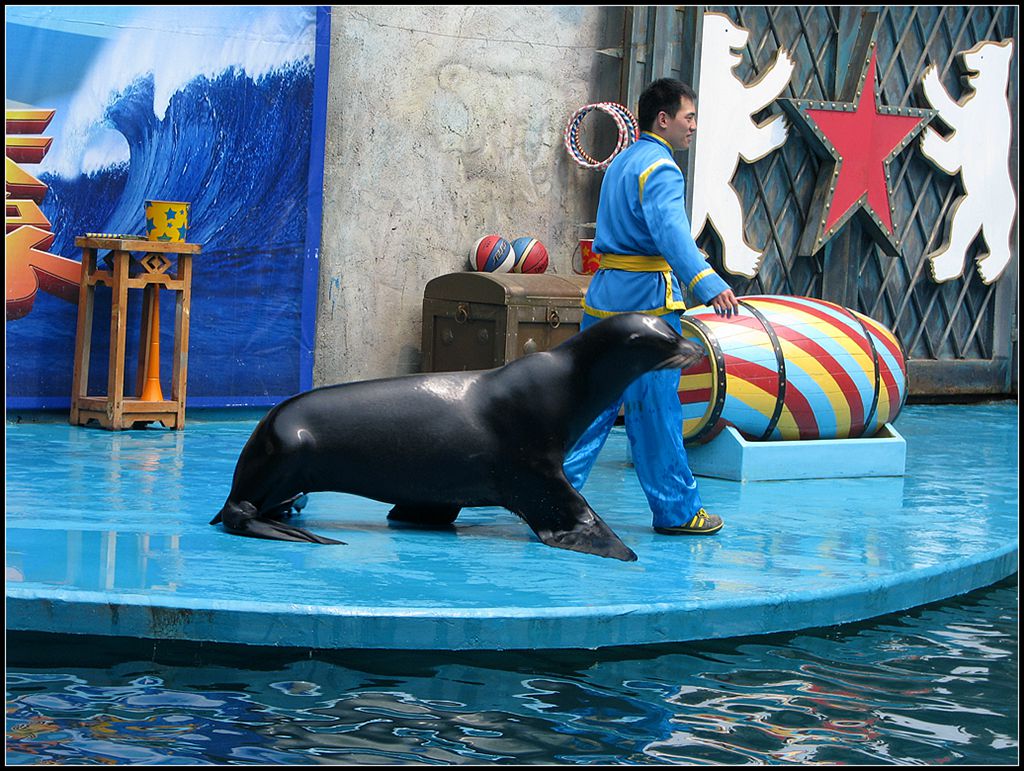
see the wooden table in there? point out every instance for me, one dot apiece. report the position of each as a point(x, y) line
point(154, 260)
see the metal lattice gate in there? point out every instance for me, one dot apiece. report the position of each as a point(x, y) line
point(960, 336)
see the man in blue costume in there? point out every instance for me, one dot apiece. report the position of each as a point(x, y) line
point(647, 253)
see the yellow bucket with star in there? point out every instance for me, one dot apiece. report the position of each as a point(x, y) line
point(167, 220)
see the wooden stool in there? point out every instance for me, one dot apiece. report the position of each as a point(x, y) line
point(115, 411)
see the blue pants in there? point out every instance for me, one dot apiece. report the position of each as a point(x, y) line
point(654, 426)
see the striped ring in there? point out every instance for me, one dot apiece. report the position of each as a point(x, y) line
point(628, 132)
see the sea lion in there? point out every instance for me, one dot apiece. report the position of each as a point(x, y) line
point(432, 444)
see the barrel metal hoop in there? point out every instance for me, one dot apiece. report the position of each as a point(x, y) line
point(719, 378)
point(780, 399)
point(906, 374)
point(878, 377)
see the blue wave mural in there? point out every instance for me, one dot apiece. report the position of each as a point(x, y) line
point(228, 125)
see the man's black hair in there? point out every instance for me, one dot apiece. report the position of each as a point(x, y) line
point(662, 95)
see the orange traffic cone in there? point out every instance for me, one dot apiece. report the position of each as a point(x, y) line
point(151, 390)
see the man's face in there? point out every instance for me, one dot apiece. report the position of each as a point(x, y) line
point(679, 130)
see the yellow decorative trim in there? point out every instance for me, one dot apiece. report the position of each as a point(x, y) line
point(671, 303)
point(661, 139)
point(649, 170)
point(703, 274)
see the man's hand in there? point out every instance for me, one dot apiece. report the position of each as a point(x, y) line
point(726, 304)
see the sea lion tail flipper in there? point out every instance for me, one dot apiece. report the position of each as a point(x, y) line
point(279, 531)
point(243, 519)
point(565, 520)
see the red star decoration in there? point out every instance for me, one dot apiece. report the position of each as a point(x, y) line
point(862, 138)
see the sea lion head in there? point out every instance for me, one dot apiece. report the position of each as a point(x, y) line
point(616, 351)
point(643, 343)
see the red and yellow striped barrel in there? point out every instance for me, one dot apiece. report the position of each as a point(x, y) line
point(791, 368)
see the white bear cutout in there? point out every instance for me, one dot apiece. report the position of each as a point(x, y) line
point(724, 119)
point(979, 149)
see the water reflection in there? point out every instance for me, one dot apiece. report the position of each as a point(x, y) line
point(937, 685)
point(96, 559)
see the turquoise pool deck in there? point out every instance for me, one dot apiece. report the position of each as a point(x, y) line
point(107, 534)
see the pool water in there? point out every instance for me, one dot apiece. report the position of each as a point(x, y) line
point(937, 684)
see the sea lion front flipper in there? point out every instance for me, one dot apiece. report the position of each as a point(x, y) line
point(562, 518)
point(243, 519)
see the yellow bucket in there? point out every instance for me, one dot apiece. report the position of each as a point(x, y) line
point(167, 220)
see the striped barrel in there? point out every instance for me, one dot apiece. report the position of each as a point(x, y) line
point(791, 368)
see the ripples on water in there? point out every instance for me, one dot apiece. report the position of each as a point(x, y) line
point(934, 685)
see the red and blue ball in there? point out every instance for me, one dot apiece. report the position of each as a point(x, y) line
point(531, 255)
point(492, 254)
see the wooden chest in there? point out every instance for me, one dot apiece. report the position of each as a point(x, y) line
point(482, 320)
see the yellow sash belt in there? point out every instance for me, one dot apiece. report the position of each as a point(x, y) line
point(640, 263)
point(636, 263)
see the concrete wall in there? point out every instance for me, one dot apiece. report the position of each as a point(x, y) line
point(445, 124)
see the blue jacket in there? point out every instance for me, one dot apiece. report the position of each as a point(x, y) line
point(641, 211)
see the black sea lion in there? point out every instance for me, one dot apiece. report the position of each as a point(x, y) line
point(434, 443)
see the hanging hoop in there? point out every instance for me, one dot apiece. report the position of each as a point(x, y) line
point(628, 132)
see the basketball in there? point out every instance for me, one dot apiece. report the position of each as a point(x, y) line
point(492, 254)
point(531, 255)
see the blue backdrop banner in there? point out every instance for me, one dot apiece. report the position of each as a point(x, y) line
point(222, 107)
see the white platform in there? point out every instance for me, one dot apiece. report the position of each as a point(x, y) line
point(730, 456)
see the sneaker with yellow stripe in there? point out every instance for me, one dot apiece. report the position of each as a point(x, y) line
point(702, 523)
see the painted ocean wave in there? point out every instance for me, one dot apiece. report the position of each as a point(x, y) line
point(163, 44)
point(237, 148)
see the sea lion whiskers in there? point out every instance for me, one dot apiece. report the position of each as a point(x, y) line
point(683, 360)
